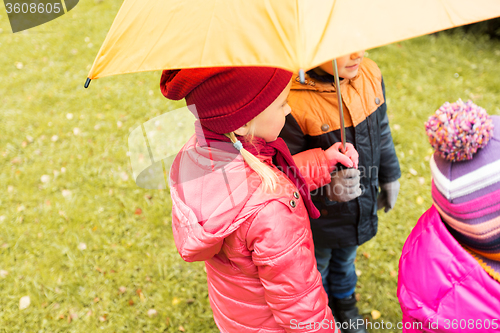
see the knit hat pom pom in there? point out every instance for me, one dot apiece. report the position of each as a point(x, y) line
point(456, 131)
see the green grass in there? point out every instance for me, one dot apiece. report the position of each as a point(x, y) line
point(76, 288)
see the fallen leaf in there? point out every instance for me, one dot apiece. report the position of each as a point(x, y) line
point(413, 171)
point(375, 314)
point(3, 274)
point(181, 328)
point(358, 297)
point(16, 160)
point(63, 214)
point(96, 299)
point(130, 302)
point(175, 301)
point(102, 318)
point(138, 211)
point(358, 272)
point(45, 178)
point(366, 254)
point(82, 246)
point(190, 300)
point(393, 273)
point(152, 312)
point(122, 289)
point(421, 180)
point(420, 200)
point(24, 302)
point(54, 138)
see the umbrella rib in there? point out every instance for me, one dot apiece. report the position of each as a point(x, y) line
point(330, 19)
point(151, 49)
point(208, 29)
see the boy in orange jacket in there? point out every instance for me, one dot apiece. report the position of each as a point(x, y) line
point(349, 204)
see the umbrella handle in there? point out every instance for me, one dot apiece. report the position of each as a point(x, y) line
point(87, 83)
point(339, 99)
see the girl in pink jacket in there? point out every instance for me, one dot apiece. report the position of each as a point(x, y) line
point(239, 205)
point(449, 271)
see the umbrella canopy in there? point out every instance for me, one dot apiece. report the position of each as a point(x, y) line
point(149, 35)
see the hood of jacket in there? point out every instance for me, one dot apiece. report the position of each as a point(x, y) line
point(456, 286)
point(209, 189)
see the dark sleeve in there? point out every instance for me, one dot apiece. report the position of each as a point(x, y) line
point(389, 164)
point(293, 135)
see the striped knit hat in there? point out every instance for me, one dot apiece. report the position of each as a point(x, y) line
point(467, 192)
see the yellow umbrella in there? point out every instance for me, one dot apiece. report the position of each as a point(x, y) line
point(149, 35)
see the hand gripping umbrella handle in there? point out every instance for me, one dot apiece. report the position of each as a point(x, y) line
point(339, 98)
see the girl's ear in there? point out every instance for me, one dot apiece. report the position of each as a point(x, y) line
point(242, 131)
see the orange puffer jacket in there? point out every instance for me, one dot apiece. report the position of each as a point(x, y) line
point(257, 246)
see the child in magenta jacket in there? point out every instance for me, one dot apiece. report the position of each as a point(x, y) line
point(449, 271)
point(233, 208)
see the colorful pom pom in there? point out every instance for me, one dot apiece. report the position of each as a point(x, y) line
point(456, 131)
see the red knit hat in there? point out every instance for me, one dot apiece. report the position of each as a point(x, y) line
point(225, 98)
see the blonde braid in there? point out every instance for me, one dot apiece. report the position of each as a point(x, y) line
point(266, 174)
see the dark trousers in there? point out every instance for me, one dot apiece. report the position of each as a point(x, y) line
point(337, 270)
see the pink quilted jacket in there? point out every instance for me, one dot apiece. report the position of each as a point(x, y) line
point(257, 246)
point(441, 287)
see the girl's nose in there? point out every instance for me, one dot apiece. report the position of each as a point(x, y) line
point(357, 55)
point(288, 109)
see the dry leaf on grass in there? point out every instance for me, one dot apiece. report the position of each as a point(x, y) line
point(24, 302)
point(375, 314)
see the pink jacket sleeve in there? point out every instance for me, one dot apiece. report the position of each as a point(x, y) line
point(283, 251)
point(314, 167)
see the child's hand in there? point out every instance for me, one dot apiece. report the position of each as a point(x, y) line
point(344, 185)
point(349, 158)
point(388, 195)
